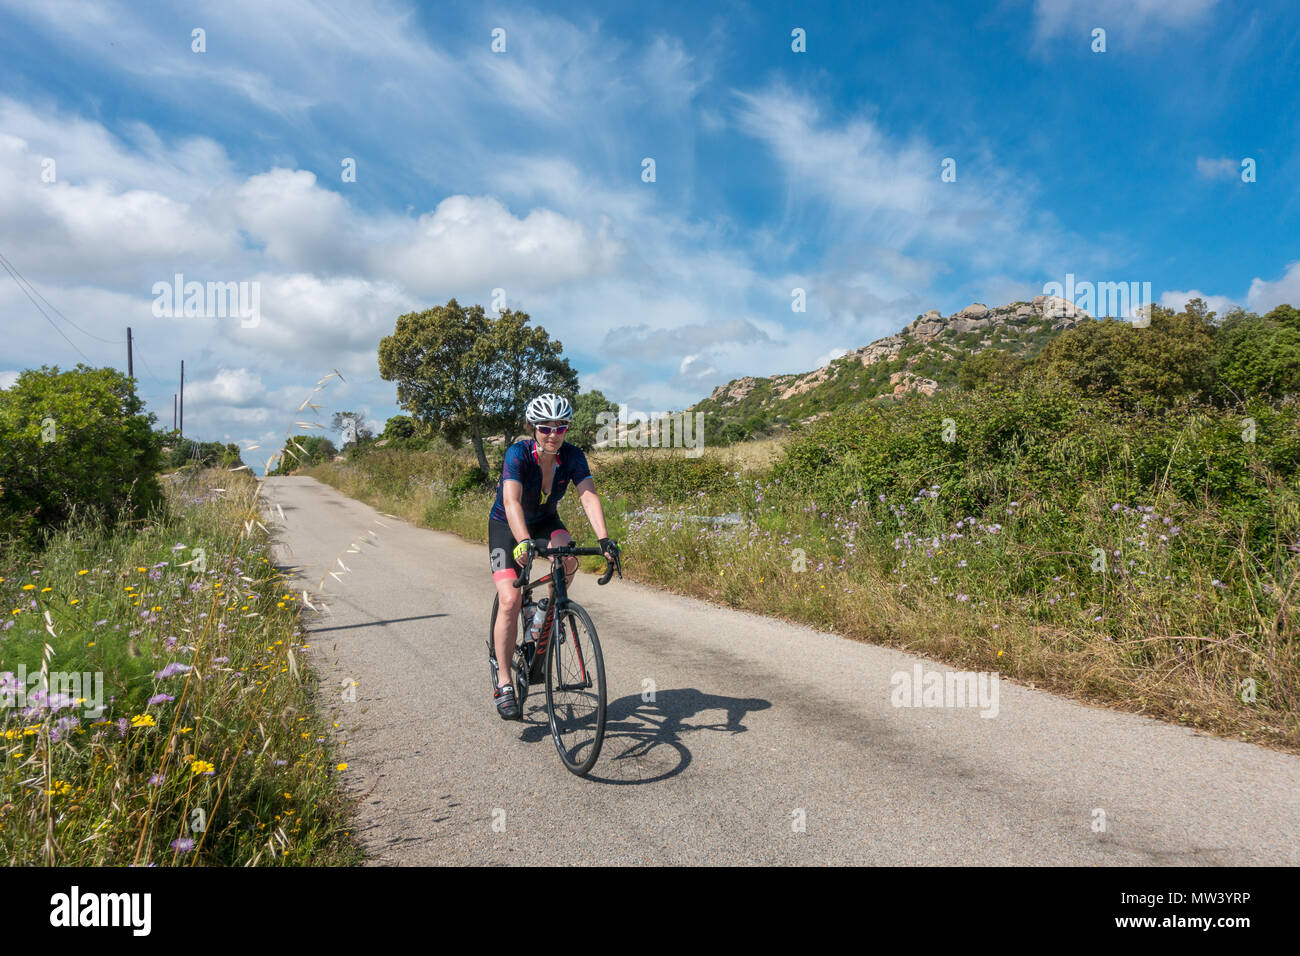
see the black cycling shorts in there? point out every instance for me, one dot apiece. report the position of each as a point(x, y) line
point(501, 543)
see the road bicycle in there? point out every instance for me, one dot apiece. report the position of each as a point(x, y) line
point(565, 654)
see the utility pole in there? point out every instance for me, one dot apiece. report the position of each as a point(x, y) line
point(173, 411)
point(130, 367)
point(182, 416)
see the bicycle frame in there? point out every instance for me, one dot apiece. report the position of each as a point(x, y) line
point(559, 594)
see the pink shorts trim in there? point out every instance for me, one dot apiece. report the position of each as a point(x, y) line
point(507, 575)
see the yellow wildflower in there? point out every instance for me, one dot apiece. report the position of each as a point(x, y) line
point(201, 766)
point(143, 720)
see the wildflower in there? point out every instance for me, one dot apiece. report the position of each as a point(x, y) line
point(341, 766)
point(29, 587)
point(172, 669)
point(160, 698)
point(143, 720)
point(182, 845)
point(202, 766)
point(156, 780)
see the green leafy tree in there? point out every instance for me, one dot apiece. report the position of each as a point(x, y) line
point(301, 451)
point(399, 432)
point(1285, 316)
point(469, 376)
point(528, 364)
point(1259, 358)
point(587, 408)
point(74, 442)
point(1153, 367)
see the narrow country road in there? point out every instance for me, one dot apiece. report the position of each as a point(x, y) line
point(765, 743)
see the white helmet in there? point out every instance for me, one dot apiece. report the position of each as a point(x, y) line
point(549, 408)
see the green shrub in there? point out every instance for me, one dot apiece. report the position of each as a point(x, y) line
point(73, 442)
point(470, 479)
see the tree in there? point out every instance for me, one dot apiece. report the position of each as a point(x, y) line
point(1259, 358)
point(1286, 316)
point(467, 375)
point(530, 364)
point(399, 429)
point(301, 451)
point(361, 431)
point(71, 442)
point(1170, 360)
point(586, 425)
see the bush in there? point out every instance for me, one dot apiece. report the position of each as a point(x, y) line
point(1055, 446)
point(1155, 367)
point(1259, 359)
point(668, 477)
point(470, 479)
point(301, 451)
point(181, 452)
point(74, 442)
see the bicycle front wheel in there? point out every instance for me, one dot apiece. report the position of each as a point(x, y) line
point(575, 690)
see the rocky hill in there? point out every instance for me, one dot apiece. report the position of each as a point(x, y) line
point(924, 357)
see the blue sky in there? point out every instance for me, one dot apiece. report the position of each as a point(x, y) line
point(522, 170)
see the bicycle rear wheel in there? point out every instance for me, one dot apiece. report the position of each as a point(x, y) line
point(575, 690)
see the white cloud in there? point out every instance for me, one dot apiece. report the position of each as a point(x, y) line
point(8, 378)
point(887, 191)
point(1265, 296)
point(475, 242)
point(1128, 23)
point(239, 387)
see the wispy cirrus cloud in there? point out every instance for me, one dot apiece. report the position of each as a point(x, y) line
point(1126, 22)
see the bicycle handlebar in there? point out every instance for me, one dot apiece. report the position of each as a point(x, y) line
point(546, 551)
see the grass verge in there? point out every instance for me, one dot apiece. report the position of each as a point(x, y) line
point(188, 735)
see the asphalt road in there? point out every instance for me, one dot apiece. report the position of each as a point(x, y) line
point(764, 743)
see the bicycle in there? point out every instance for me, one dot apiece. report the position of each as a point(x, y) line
point(574, 674)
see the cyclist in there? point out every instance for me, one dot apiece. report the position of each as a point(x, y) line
point(536, 473)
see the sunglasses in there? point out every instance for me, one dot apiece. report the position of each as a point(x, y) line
point(552, 429)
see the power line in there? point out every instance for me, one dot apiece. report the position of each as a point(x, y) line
point(9, 265)
point(4, 262)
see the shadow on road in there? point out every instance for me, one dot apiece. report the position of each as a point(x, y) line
point(643, 739)
point(391, 620)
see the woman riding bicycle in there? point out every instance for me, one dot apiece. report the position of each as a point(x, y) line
point(534, 477)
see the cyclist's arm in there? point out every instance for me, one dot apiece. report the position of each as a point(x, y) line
point(512, 497)
point(590, 499)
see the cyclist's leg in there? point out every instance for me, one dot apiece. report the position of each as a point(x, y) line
point(501, 544)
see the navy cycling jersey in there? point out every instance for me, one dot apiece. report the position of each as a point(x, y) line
point(522, 465)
